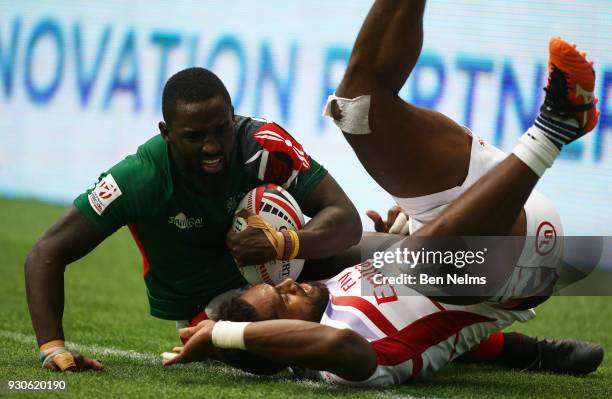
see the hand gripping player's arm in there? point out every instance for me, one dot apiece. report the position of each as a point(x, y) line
point(335, 226)
point(68, 240)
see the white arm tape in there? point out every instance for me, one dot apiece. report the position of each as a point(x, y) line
point(401, 225)
point(354, 113)
point(229, 334)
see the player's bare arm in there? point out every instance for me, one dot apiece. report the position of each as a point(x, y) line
point(296, 342)
point(335, 222)
point(68, 240)
point(332, 212)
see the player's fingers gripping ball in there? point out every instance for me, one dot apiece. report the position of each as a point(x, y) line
point(274, 211)
point(275, 237)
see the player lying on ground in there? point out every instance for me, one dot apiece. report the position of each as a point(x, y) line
point(333, 332)
point(425, 160)
point(389, 339)
point(178, 195)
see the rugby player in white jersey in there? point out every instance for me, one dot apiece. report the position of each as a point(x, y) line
point(334, 332)
point(451, 183)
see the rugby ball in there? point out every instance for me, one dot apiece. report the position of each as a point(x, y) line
point(276, 206)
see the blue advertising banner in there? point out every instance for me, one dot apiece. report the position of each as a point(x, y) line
point(80, 83)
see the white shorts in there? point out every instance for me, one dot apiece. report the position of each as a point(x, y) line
point(536, 268)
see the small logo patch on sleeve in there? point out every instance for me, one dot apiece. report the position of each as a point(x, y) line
point(105, 192)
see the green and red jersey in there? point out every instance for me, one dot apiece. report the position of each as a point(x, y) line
point(180, 231)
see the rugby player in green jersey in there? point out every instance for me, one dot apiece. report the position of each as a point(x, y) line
point(178, 194)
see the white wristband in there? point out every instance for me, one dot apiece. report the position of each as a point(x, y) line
point(229, 334)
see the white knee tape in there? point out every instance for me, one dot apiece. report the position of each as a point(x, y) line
point(354, 113)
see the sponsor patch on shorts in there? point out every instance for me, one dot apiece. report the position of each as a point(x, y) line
point(105, 192)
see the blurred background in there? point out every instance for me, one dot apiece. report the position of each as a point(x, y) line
point(81, 81)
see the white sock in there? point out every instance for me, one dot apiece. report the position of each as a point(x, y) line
point(536, 150)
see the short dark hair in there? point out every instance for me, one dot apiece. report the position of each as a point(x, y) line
point(191, 85)
point(237, 309)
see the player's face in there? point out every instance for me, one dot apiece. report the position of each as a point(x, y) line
point(288, 300)
point(201, 137)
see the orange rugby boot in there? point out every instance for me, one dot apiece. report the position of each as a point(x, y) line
point(571, 83)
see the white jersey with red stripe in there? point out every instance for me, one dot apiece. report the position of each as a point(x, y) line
point(411, 334)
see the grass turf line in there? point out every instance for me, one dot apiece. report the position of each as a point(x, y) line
point(106, 307)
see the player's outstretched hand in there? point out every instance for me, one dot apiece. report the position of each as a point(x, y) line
point(197, 348)
point(72, 361)
point(396, 223)
point(251, 246)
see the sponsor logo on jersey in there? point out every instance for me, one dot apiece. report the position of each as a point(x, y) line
point(546, 238)
point(105, 192)
point(183, 222)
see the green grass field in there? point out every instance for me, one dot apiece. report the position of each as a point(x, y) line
point(107, 317)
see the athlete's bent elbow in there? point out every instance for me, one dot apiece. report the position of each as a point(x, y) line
point(42, 254)
point(359, 359)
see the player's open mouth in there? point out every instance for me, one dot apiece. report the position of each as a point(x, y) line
point(212, 165)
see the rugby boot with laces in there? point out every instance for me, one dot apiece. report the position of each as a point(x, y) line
point(569, 109)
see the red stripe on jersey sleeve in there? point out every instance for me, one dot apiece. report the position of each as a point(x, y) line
point(369, 310)
point(145, 260)
point(410, 342)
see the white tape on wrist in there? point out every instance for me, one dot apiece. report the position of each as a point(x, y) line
point(354, 113)
point(229, 334)
point(167, 356)
point(401, 225)
point(49, 354)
